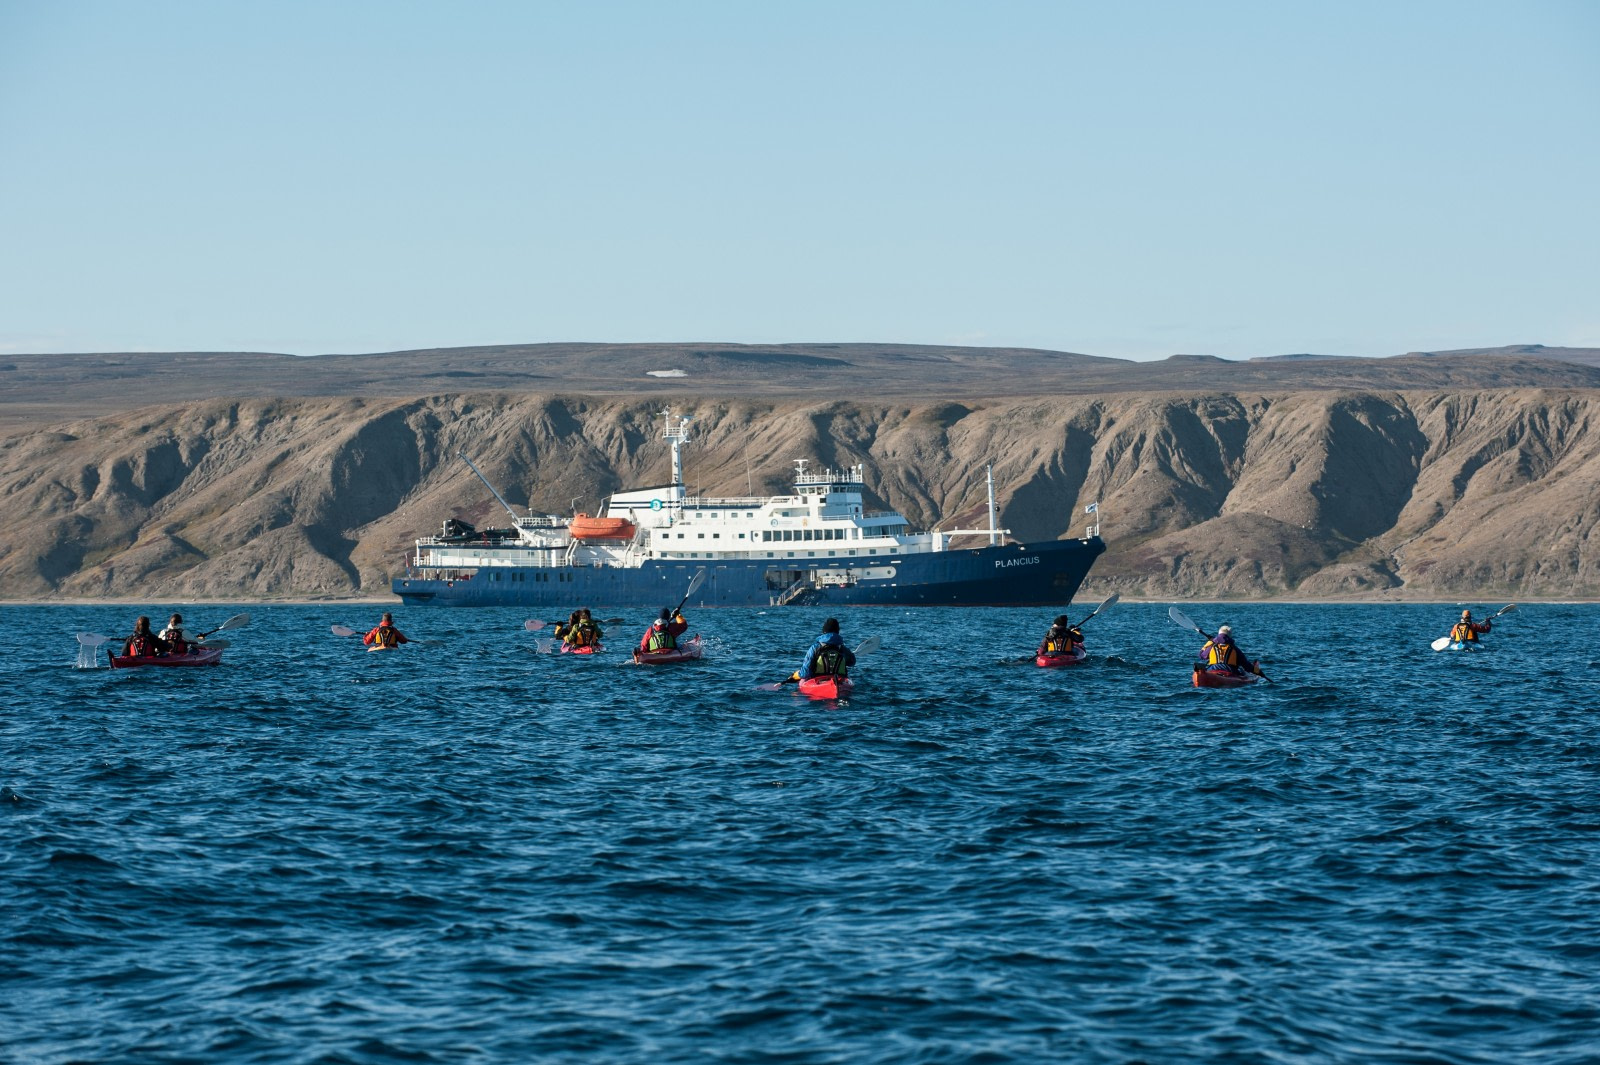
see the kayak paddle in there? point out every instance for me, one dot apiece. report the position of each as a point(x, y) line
point(238, 621)
point(1182, 620)
point(694, 586)
point(1110, 601)
point(344, 630)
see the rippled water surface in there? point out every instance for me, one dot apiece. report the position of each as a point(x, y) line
point(474, 851)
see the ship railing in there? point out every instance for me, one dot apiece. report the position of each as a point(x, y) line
point(726, 502)
point(798, 588)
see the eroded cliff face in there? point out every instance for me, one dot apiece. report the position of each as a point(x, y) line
point(1307, 493)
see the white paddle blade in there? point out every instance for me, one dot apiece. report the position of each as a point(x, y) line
point(238, 621)
point(869, 645)
point(533, 625)
point(344, 630)
point(694, 585)
point(92, 639)
point(1508, 608)
point(1181, 619)
point(1441, 643)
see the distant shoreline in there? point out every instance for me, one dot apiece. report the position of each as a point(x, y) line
point(395, 605)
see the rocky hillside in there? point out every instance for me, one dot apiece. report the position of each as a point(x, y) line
point(1481, 493)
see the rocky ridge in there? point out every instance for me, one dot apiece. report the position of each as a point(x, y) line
point(1480, 492)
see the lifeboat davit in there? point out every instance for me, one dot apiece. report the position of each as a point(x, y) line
point(584, 527)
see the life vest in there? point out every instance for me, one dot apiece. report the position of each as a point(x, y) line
point(828, 661)
point(661, 638)
point(586, 634)
point(1059, 641)
point(176, 643)
point(1463, 633)
point(1225, 654)
point(142, 645)
point(386, 636)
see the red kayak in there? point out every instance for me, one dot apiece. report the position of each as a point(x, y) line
point(827, 687)
point(591, 649)
point(685, 651)
point(1056, 659)
point(205, 656)
point(1222, 678)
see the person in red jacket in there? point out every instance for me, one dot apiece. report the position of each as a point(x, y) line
point(385, 635)
point(663, 633)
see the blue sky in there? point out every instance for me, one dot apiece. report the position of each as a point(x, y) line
point(1125, 179)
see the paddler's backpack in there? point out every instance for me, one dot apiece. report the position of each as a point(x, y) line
point(829, 661)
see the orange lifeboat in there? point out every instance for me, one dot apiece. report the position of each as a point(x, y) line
point(584, 527)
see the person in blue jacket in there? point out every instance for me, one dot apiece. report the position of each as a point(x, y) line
point(828, 656)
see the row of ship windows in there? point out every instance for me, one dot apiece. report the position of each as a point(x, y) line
point(561, 578)
point(788, 535)
point(776, 554)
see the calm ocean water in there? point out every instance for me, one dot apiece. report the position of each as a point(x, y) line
point(476, 852)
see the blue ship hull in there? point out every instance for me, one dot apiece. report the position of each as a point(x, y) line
point(1037, 574)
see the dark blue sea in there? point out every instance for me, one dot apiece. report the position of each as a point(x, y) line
point(470, 851)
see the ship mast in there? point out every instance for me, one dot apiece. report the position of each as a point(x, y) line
point(994, 531)
point(676, 435)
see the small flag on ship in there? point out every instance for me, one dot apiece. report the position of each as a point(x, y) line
point(1092, 508)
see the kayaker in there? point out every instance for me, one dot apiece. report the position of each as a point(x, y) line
point(1063, 638)
point(173, 634)
point(584, 632)
point(1466, 630)
point(565, 627)
point(385, 635)
point(144, 643)
point(1220, 650)
point(663, 633)
point(827, 656)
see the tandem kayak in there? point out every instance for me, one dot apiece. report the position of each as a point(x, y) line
point(685, 651)
point(829, 687)
point(1056, 659)
point(591, 649)
point(1222, 678)
point(208, 656)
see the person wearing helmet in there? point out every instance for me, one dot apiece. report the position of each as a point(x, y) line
point(385, 635)
point(1063, 638)
point(1220, 652)
point(663, 633)
point(174, 636)
point(828, 656)
point(1466, 630)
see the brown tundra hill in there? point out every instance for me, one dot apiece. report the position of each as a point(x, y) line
point(1464, 485)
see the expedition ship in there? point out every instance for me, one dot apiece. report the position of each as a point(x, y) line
point(818, 546)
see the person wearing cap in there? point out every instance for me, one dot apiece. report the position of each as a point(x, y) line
point(663, 633)
point(1220, 652)
point(1466, 630)
point(827, 656)
point(174, 636)
point(1063, 638)
point(385, 635)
